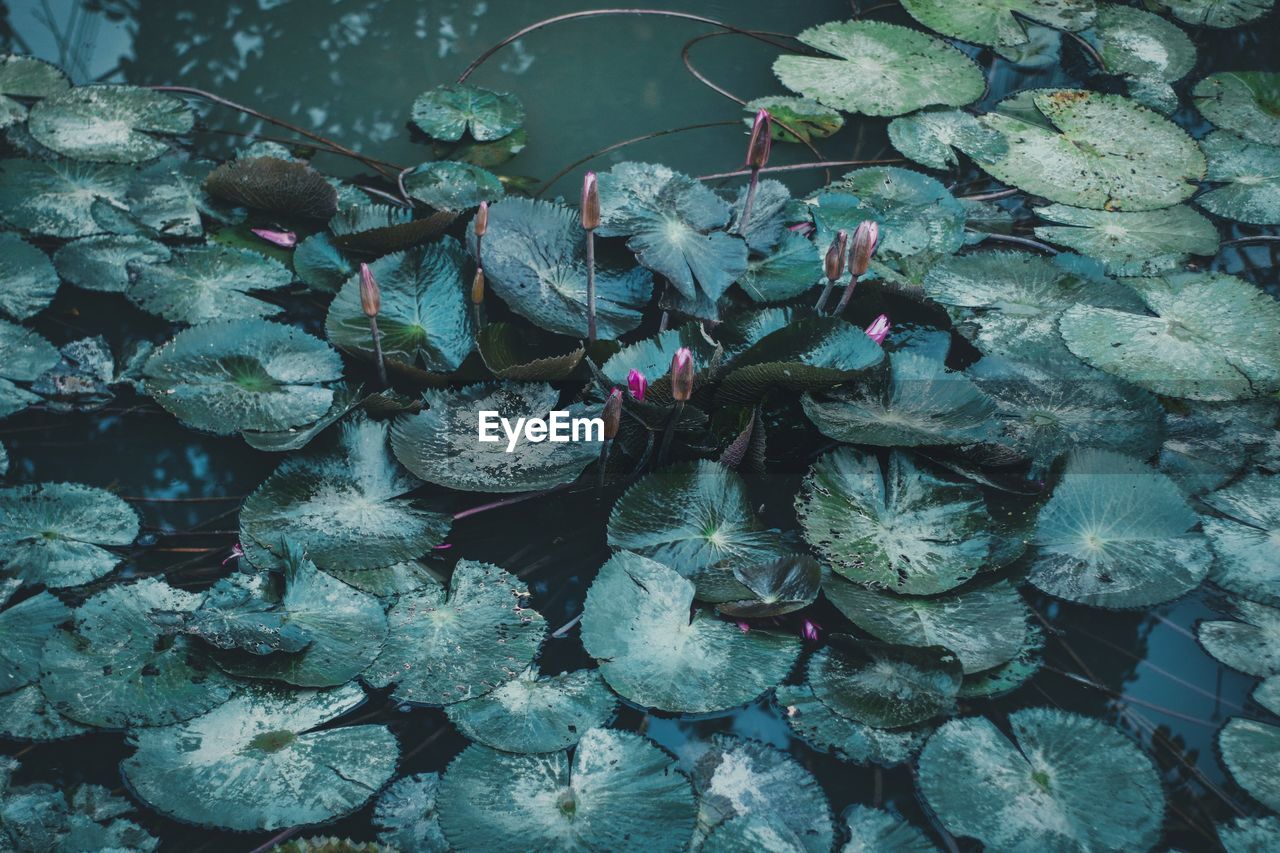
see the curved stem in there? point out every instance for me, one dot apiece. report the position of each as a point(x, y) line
point(1256, 238)
point(1087, 48)
point(798, 167)
point(1022, 241)
point(992, 196)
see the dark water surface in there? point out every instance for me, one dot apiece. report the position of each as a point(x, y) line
point(350, 70)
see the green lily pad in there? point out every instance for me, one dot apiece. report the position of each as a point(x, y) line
point(1141, 45)
point(1250, 173)
point(406, 815)
point(621, 791)
point(914, 211)
point(849, 740)
point(29, 277)
point(795, 119)
point(449, 185)
point(445, 648)
point(1244, 102)
point(232, 375)
point(208, 283)
point(24, 628)
point(1251, 645)
point(1064, 781)
point(876, 829)
point(346, 398)
point(1009, 676)
point(775, 588)
point(55, 197)
point(258, 763)
point(674, 224)
point(1267, 694)
point(883, 685)
point(1208, 444)
point(536, 713)
point(524, 354)
point(242, 612)
point(380, 228)
point(999, 22)
point(770, 211)
point(321, 264)
point(931, 137)
point(118, 668)
point(447, 111)
point(1117, 533)
point(1244, 538)
point(29, 77)
point(1250, 834)
point(109, 124)
point(882, 69)
point(810, 354)
point(274, 185)
point(907, 530)
point(1098, 151)
point(489, 155)
point(1250, 751)
point(77, 816)
point(1213, 337)
point(424, 319)
point(534, 257)
point(1217, 13)
point(636, 623)
point(56, 533)
point(652, 356)
point(788, 272)
point(440, 444)
point(1144, 242)
point(389, 582)
point(167, 199)
point(102, 263)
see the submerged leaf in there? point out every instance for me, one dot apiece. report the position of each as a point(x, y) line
point(536, 713)
point(109, 124)
point(55, 533)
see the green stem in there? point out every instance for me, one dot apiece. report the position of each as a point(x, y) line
point(826, 294)
point(377, 351)
point(676, 411)
point(751, 200)
point(591, 286)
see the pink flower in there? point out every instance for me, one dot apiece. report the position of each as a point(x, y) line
point(637, 384)
point(809, 630)
point(863, 246)
point(370, 294)
point(743, 627)
point(761, 140)
point(879, 329)
point(283, 239)
point(682, 375)
point(236, 553)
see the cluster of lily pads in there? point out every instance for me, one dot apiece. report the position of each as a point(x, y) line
point(1098, 423)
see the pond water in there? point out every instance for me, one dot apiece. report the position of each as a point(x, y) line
point(350, 70)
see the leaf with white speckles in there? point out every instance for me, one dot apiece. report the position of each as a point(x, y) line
point(406, 815)
point(1244, 102)
point(55, 197)
point(58, 534)
point(878, 831)
point(883, 685)
point(536, 713)
point(1245, 536)
point(1250, 175)
point(932, 137)
point(999, 22)
point(1251, 750)
point(1251, 645)
point(846, 739)
point(109, 124)
point(1143, 242)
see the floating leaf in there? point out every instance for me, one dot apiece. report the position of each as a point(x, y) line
point(257, 763)
point(230, 375)
point(208, 283)
point(108, 124)
point(25, 714)
point(449, 185)
point(999, 22)
point(533, 713)
point(883, 685)
point(166, 199)
point(791, 270)
point(931, 137)
point(381, 228)
point(29, 277)
point(914, 211)
point(24, 357)
point(1244, 538)
point(42, 817)
point(1213, 337)
point(636, 622)
point(534, 257)
point(443, 648)
point(882, 70)
point(1065, 781)
point(1116, 533)
point(620, 792)
point(1251, 174)
point(1141, 45)
point(752, 832)
point(907, 530)
point(1138, 243)
point(29, 77)
point(103, 262)
point(447, 111)
point(320, 264)
point(877, 830)
point(810, 354)
point(1249, 645)
point(1267, 694)
point(778, 587)
point(118, 668)
point(849, 740)
point(1250, 751)
point(1250, 834)
point(406, 816)
point(238, 612)
point(1009, 676)
point(1217, 13)
point(424, 319)
point(769, 214)
point(274, 185)
point(1209, 443)
point(346, 398)
point(1244, 102)
point(440, 444)
point(522, 353)
point(54, 533)
point(652, 356)
point(55, 197)
point(389, 582)
point(795, 119)
point(24, 628)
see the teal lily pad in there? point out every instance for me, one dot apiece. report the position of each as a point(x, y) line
point(103, 263)
point(320, 264)
point(789, 271)
point(1208, 444)
point(652, 356)
point(1250, 751)
point(770, 211)
point(1244, 536)
point(1099, 788)
point(1142, 46)
point(1117, 533)
point(24, 628)
point(260, 762)
point(232, 375)
point(450, 185)
point(29, 77)
point(1244, 102)
point(636, 622)
point(166, 199)
point(109, 124)
point(876, 829)
point(1217, 13)
point(847, 739)
point(621, 791)
point(79, 816)
point(58, 534)
point(1250, 175)
point(752, 832)
point(1000, 22)
point(346, 398)
point(27, 715)
point(881, 69)
point(780, 586)
point(242, 612)
point(1144, 242)
point(809, 354)
point(534, 257)
point(932, 137)
point(1267, 694)
point(406, 815)
point(55, 197)
point(30, 280)
point(1249, 834)
point(208, 283)
point(424, 319)
point(444, 648)
point(1251, 645)
point(795, 119)
point(1008, 676)
point(24, 357)
point(447, 111)
point(390, 582)
point(380, 228)
point(915, 212)
point(525, 354)
point(536, 713)
point(884, 685)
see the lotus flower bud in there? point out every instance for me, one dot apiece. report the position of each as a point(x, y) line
point(761, 141)
point(637, 384)
point(744, 627)
point(809, 630)
point(477, 287)
point(612, 415)
point(283, 239)
point(482, 219)
point(865, 239)
point(682, 375)
point(370, 295)
point(833, 265)
point(590, 202)
point(879, 329)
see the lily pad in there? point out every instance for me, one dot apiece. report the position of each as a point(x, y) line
point(907, 529)
point(791, 270)
point(882, 69)
point(914, 211)
point(1250, 173)
point(931, 137)
point(1117, 533)
point(810, 354)
point(1212, 337)
point(208, 283)
point(440, 444)
point(29, 77)
point(381, 228)
point(320, 264)
point(534, 257)
point(346, 398)
point(849, 740)
point(636, 622)
point(238, 612)
point(1249, 834)
point(536, 713)
point(274, 185)
point(795, 119)
point(450, 185)
point(999, 22)
point(752, 832)
point(621, 791)
point(109, 124)
point(42, 817)
point(424, 319)
point(1140, 45)
point(57, 534)
point(231, 375)
point(872, 829)
point(1250, 751)
point(1209, 443)
point(102, 263)
point(406, 815)
point(1064, 781)
point(883, 685)
point(782, 586)
point(445, 648)
point(1267, 694)
point(24, 357)
point(652, 356)
point(1251, 645)
point(258, 762)
point(1244, 102)
point(447, 111)
point(1131, 243)
point(1217, 13)
point(1244, 538)
point(25, 714)
point(55, 197)
point(24, 628)
point(525, 354)
point(1009, 676)
point(29, 278)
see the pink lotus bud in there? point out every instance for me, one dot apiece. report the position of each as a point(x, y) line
point(612, 415)
point(879, 329)
point(865, 239)
point(637, 384)
point(236, 553)
point(743, 627)
point(283, 239)
point(590, 202)
point(477, 287)
point(482, 219)
point(809, 630)
point(761, 141)
point(370, 295)
point(682, 375)
point(833, 265)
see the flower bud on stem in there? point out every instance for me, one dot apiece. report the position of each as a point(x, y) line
point(861, 248)
point(612, 417)
point(833, 266)
point(682, 373)
point(757, 156)
point(370, 304)
point(590, 211)
point(477, 297)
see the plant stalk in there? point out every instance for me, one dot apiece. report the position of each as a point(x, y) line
point(751, 200)
point(845, 297)
point(676, 411)
point(604, 462)
point(591, 286)
point(826, 294)
point(377, 351)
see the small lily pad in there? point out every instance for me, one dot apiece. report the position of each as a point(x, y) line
point(795, 119)
point(791, 270)
point(1143, 242)
point(536, 713)
point(1009, 676)
point(57, 534)
point(1217, 13)
point(847, 739)
point(55, 197)
point(30, 280)
point(1244, 102)
point(877, 830)
point(346, 398)
point(321, 264)
point(29, 77)
point(1250, 751)
point(1244, 537)
point(782, 586)
point(450, 185)
point(109, 124)
point(102, 263)
point(1250, 174)
point(447, 111)
point(931, 137)
point(1251, 645)
point(208, 283)
point(406, 815)
point(1141, 45)
point(915, 212)
point(381, 228)
point(652, 356)
point(24, 357)
point(883, 685)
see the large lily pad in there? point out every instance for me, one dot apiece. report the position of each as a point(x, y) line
point(882, 69)
point(1244, 102)
point(845, 738)
point(56, 197)
point(536, 713)
point(406, 815)
point(231, 375)
point(931, 137)
point(1250, 174)
point(809, 354)
point(1212, 337)
point(445, 648)
point(999, 22)
point(1117, 533)
point(1244, 537)
point(208, 283)
point(24, 628)
point(450, 185)
point(534, 257)
point(1142, 242)
point(424, 319)
point(1250, 751)
point(621, 791)
point(636, 622)
point(884, 685)
point(30, 280)
point(257, 762)
point(915, 212)
point(447, 111)
point(58, 534)
point(109, 124)
point(1063, 782)
point(103, 262)
point(1217, 13)
point(1251, 645)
